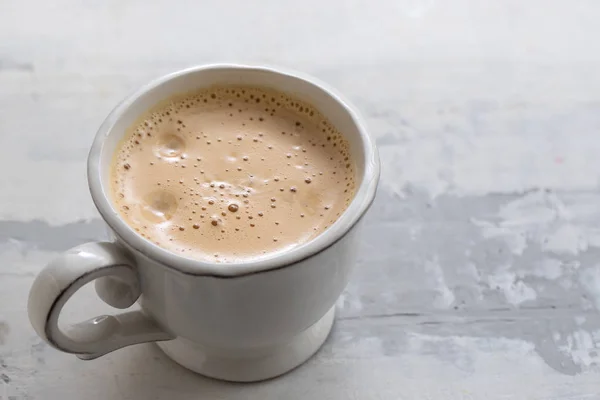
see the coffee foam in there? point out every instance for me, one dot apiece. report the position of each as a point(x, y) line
point(232, 173)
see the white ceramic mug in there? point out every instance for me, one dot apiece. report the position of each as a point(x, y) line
point(240, 322)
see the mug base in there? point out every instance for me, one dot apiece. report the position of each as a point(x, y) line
point(250, 365)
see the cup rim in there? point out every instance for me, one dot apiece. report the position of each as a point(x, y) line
point(362, 200)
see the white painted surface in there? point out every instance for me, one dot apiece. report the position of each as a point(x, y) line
point(475, 282)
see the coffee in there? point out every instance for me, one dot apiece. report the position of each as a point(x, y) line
point(232, 174)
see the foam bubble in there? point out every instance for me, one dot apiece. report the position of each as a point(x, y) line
point(170, 146)
point(158, 206)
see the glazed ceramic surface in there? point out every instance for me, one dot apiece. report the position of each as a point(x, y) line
point(241, 322)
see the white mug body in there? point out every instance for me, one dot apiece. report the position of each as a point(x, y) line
point(241, 322)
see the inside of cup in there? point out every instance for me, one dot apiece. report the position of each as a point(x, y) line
point(362, 151)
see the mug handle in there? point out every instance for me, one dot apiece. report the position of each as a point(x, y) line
point(119, 287)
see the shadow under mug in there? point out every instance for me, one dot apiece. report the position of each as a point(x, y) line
point(239, 322)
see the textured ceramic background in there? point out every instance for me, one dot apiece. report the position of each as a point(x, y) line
point(480, 275)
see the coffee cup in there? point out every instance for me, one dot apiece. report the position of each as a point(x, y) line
point(248, 321)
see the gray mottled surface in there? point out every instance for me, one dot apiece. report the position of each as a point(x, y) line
point(479, 277)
